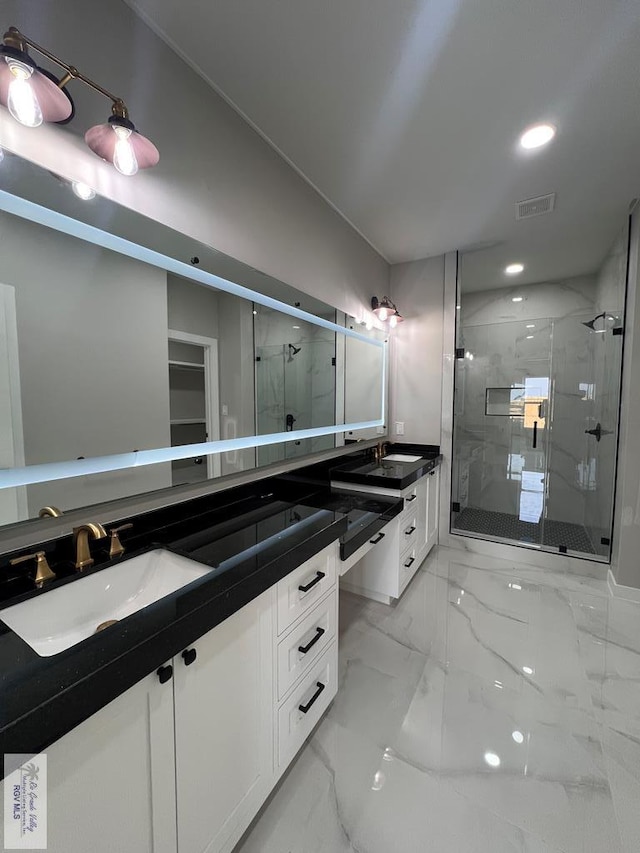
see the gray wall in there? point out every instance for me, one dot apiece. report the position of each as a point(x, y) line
point(416, 349)
point(236, 379)
point(217, 180)
point(85, 318)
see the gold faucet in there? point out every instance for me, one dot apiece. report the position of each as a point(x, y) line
point(50, 512)
point(81, 537)
point(43, 570)
point(380, 451)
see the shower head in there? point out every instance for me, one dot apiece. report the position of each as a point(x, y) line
point(591, 324)
point(293, 351)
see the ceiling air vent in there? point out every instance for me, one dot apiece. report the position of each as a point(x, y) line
point(535, 206)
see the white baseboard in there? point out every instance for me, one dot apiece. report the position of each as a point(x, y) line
point(618, 590)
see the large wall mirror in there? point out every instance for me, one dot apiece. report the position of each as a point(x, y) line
point(134, 359)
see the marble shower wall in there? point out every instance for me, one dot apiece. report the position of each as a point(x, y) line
point(610, 298)
point(287, 382)
point(541, 337)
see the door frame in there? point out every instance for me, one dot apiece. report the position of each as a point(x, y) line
point(211, 388)
point(9, 325)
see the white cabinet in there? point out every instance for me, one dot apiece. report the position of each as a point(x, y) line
point(223, 728)
point(182, 764)
point(111, 779)
point(387, 566)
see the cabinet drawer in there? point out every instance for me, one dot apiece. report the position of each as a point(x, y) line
point(301, 711)
point(304, 643)
point(304, 586)
point(409, 530)
point(411, 500)
point(408, 567)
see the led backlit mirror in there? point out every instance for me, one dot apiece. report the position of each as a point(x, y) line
point(133, 358)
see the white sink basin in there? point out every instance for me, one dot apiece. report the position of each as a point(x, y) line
point(401, 457)
point(58, 619)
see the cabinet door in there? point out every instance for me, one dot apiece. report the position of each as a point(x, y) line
point(224, 729)
point(433, 498)
point(111, 780)
point(377, 575)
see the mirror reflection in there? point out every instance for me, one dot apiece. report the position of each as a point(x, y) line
point(104, 354)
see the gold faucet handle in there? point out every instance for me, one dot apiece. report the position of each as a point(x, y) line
point(116, 548)
point(43, 569)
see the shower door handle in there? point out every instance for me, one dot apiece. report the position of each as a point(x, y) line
point(535, 434)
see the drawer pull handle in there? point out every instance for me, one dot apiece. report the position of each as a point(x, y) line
point(306, 587)
point(165, 673)
point(378, 538)
point(411, 498)
point(188, 656)
point(304, 649)
point(409, 563)
point(410, 530)
point(307, 707)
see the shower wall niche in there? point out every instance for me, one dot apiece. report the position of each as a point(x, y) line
point(537, 393)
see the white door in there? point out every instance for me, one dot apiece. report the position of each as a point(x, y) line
point(13, 501)
point(111, 780)
point(184, 425)
point(224, 729)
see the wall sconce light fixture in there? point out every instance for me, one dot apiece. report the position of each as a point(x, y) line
point(33, 95)
point(386, 311)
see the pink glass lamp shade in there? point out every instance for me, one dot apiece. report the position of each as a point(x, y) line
point(119, 143)
point(31, 93)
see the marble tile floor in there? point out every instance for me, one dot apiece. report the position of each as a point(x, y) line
point(574, 537)
point(494, 709)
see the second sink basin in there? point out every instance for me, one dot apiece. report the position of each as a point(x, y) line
point(58, 619)
point(401, 457)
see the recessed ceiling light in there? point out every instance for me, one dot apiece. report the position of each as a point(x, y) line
point(537, 136)
point(254, 312)
point(514, 269)
point(296, 327)
point(531, 325)
point(516, 298)
point(529, 337)
point(527, 670)
point(83, 191)
point(457, 307)
point(517, 736)
point(492, 759)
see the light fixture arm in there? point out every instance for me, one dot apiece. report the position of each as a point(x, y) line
point(16, 39)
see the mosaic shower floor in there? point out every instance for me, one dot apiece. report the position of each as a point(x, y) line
point(554, 534)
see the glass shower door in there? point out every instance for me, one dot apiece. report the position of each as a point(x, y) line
point(501, 437)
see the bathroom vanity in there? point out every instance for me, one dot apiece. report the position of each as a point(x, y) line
point(222, 678)
point(385, 564)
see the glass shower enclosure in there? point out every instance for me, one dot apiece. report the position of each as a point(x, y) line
point(536, 410)
point(295, 383)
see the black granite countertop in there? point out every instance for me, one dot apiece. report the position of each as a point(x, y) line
point(45, 697)
point(251, 537)
point(390, 474)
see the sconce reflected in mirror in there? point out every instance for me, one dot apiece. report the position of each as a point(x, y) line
point(386, 311)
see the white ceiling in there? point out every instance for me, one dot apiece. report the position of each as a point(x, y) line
point(405, 114)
